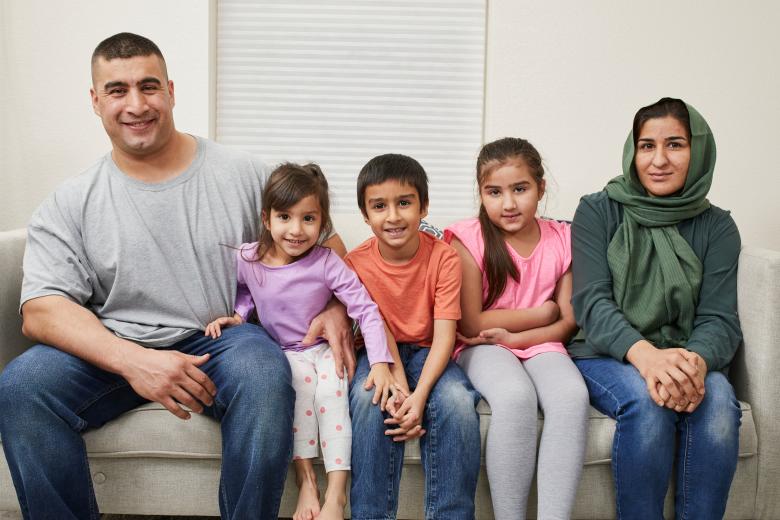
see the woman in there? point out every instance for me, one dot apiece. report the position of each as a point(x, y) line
point(655, 295)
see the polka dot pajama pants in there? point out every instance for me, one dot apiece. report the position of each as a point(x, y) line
point(321, 405)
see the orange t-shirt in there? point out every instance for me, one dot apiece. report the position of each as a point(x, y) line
point(411, 295)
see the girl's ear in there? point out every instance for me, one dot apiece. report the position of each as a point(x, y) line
point(542, 187)
point(264, 218)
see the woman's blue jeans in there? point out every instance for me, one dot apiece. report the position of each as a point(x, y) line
point(650, 439)
point(450, 449)
point(48, 398)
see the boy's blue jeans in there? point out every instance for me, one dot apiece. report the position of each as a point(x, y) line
point(450, 449)
point(649, 439)
point(48, 398)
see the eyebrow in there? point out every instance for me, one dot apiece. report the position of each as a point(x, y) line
point(148, 79)
point(490, 186)
point(670, 138)
point(406, 196)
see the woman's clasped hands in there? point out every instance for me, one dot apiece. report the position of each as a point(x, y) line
point(674, 376)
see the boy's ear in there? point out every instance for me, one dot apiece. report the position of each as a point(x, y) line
point(424, 211)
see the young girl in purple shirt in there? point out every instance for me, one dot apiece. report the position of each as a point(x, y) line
point(288, 278)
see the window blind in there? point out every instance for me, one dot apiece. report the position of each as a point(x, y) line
point(339, 82)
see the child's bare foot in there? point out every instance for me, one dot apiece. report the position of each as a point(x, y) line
point(308, 502)
point(308, 507)
point(333, 508)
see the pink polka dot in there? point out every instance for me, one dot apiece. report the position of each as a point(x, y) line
point(311, 442)
point(295, 430)
point(308, 412)
point(338, 460)
point(338, 428)
point(324, 444)
point(338, 393)
point(327, 356)
point(307, 379)
point(322, 409)
point(297, 457)
point(324, 376)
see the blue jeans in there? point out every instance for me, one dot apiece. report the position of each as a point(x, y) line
point(48, 398)
point(450, 449)
point(649, 439)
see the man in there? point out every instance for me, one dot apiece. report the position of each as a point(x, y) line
point(125, 265)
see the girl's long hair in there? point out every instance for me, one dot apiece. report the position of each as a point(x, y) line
point(497, 262)
point(288, 184)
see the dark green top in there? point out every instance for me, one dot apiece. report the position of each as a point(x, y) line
point(713, 237)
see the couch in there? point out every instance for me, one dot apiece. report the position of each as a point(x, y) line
point(148, 462)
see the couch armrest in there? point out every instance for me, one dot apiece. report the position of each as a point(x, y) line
point(12, 343)
point(756, 369)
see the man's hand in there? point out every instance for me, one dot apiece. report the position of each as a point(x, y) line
point(407, 418)
point(672, 368)
point(334, 325)
point(170, 378)
point(214, 329)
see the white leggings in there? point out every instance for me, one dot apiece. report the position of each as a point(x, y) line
point(515, 390)
point(321, 403)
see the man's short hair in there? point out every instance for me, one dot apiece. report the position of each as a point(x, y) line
point(127, 45)
point(388, 167)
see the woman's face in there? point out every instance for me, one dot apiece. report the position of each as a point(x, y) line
point(663, 153)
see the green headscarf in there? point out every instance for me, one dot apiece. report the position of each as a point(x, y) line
point(655, 274)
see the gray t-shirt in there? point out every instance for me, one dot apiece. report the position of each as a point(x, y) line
point(152, 261)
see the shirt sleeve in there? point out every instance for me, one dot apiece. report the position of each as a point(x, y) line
point(446, 300)
point(605, 327)
point(55, 261)
point(716, 332)
point(244, 302)
point(360, 307)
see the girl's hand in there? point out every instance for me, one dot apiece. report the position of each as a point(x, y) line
point(496, 336)
point(476, 340)
point(214, 329)
point(408, 419)
point(380, 379)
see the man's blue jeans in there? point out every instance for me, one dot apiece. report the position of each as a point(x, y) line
point(650, 439)
point(450, 449)
point(48, 398)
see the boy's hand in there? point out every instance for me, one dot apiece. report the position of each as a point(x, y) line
point(408, 418)
point(214, 329)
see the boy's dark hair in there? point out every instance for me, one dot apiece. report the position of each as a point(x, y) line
point(392, 166)
point(126, 45)
point(662, 108)
point(498, 263)
point(288, 184)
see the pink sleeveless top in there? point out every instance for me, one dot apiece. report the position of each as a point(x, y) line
point(539, 272)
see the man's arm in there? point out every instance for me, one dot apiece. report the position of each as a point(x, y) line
point(168, 377)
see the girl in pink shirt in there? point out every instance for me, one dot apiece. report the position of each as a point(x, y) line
point(288, 278)
point(517, 314)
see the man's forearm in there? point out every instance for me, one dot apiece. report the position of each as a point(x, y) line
point(61, 323)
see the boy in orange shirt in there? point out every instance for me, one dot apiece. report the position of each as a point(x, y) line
point(415, 280)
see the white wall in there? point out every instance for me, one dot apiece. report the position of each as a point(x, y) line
point(567, 75)
point(48, 131)
point(570, 75)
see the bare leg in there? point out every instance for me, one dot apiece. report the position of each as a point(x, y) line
point(308, 507)
point(335, 496)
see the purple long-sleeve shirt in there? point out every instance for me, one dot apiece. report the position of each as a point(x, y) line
point(289, 297)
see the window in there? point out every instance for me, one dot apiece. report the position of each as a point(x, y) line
point(339, 82)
